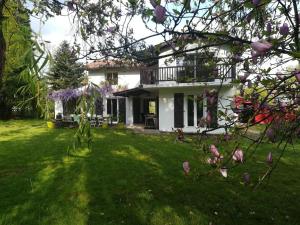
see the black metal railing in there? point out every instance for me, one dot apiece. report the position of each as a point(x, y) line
point(187, 74)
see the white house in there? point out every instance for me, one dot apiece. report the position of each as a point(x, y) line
point(168, 95)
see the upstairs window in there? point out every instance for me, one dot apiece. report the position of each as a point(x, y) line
point(112, 78)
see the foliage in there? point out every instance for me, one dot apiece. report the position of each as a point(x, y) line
point(17, 34)
point(134, 179)
point(65, 72)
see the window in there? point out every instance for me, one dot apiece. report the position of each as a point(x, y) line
point(112, 78)
point(152, 107)
point(112, 107)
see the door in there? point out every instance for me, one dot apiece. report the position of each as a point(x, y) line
point(178, 110)
point(136, 110)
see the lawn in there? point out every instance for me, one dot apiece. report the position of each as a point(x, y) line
point(134, 179)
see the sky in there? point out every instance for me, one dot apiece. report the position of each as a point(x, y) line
point(60, 28)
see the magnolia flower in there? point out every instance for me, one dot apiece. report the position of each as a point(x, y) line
point(270, 134)
point(284, 29)
point(238, 155)
point(214, 151)
point(111, 29)
point(211, 99)
point(269, 27)
point(270, 158)
point(224, 171)
point(246, 178)
point(160, 14)
point(186, 167)
point(208, 118)
point(297, 75)
point(261, 47)
point(226, 137)
point(256, 2)
point(153, 3)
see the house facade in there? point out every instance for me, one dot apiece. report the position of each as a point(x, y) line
point(172, 94)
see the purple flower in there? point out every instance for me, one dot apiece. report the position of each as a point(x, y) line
point(153, 3)
point(297, 75)
point(186, 167)
point(256, 2)
point(65, 94)
point(284, 29)
point(208, 118)
point(270, 134)
point(269, 27)
point(160, 14)
point(261, 47)
point(270, 158)
point(238, 155)
point(111, 29)
point(246, 178)
point(214, 151)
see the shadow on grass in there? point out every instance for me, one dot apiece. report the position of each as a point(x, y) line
point(130, 179)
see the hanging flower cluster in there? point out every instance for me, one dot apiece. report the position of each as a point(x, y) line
point(65, 94)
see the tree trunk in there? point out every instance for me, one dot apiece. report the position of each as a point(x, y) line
point(2, 41)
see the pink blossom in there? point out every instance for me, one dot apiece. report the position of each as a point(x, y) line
point(153, 3)
point(284, 29)
point(214, 151)
point(224, 171)
point(208, 118)
point(160, 14)
point(297, 75)
point(186, 167)
point(238, 155)
point(270, 158)
point(261, 47)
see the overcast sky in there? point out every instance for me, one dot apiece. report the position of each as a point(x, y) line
point(60, 28)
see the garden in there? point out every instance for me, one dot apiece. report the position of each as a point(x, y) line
point(138, 179)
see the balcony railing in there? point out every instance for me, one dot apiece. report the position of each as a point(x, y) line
point(187, 74)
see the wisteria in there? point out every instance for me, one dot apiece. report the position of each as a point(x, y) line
point(65, 94)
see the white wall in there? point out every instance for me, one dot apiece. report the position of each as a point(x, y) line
point(166, 107)
point(58, 107)
point(130, 79)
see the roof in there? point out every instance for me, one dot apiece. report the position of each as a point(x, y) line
point(112, 64)
point(131, 92)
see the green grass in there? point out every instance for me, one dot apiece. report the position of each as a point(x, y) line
point(134, 179)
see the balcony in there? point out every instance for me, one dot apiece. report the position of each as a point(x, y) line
point(187, 74)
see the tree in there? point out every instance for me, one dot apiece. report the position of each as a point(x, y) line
point(17, 35)
point(65, 72)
